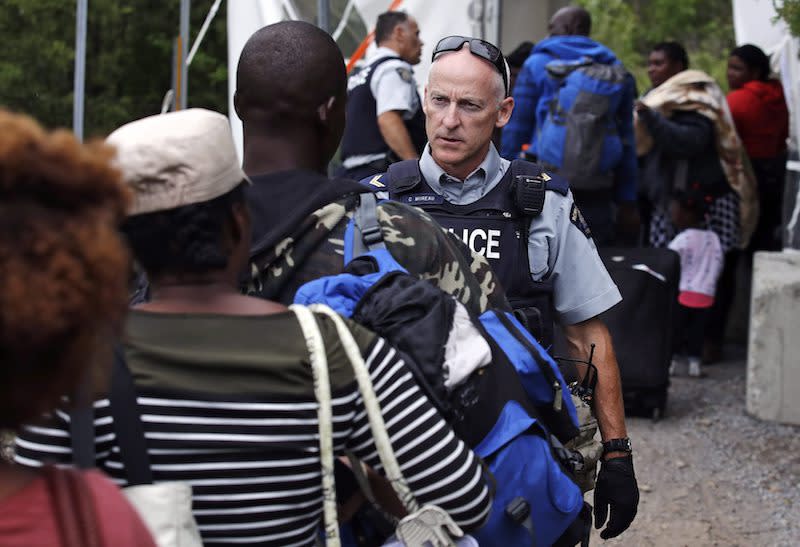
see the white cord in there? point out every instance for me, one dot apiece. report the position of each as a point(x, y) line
point(202, 34)
point(322, 391)
point(343, 21)
point(372, 406)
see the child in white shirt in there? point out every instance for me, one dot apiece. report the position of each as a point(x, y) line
point(701, 265)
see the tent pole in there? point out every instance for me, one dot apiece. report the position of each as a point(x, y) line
point(80, 68)
point(324, 15)
point(183, 91)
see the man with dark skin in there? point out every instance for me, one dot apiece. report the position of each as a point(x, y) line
point(269, 112)
point(291, 92)
point(570, 21)
point(661, 67)
point(609, 202)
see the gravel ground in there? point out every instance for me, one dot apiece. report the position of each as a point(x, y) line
point(710, 474)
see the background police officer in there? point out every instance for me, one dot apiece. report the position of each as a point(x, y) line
point(464, 183)
point(385, 121)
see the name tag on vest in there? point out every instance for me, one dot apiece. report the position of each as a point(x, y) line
point(422, 199)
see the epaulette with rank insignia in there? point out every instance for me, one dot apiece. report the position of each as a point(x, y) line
point(556, 182)
point(374, 181)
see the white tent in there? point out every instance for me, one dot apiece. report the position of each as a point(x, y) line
point(436, 19)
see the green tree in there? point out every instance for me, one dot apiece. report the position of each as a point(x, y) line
point(129, 60)
point(789, 11)
point(632, 27)
point(36, 61)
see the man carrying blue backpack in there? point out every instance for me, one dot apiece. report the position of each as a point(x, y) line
point(307, 234)
point(574, 114)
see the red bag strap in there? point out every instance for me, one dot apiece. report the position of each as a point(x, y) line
point(73, 508)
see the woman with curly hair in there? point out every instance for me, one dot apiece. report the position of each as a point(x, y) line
point(62, 294)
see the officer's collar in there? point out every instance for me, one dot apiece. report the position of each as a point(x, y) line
point(432, 172)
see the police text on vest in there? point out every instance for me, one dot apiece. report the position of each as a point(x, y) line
point(483, 242)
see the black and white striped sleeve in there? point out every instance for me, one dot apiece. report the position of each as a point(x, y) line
point(439, 468)
point(48, 441)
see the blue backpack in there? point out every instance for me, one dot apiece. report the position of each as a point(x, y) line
point(515, 413)
point(580, 137)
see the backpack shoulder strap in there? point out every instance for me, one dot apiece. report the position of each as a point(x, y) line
point(128, 424)
point(367, 234)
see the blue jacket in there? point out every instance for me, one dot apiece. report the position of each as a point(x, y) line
point(532, 94)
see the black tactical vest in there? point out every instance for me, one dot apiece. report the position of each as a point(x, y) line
point(496, 226)
point(361, 134)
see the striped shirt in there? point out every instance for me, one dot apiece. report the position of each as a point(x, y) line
point(227, 405)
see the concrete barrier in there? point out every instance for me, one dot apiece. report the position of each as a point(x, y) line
point(773, 357)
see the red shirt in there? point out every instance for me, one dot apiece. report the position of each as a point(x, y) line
point(26, 517)
point(761, 117)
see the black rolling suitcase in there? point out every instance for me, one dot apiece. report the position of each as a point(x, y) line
point(641, 325)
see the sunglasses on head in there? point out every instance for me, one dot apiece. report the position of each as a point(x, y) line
point(479, 48)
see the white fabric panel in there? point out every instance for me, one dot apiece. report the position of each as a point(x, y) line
point(465, 351)
point(752, 22)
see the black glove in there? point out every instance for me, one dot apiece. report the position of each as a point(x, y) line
point(616, 487)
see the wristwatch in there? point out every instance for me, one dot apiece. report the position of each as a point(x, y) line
point(617, 445)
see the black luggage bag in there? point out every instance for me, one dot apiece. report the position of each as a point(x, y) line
point(641, 325)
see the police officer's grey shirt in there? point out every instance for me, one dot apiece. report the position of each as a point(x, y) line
point(395, 89)
point(557, 248)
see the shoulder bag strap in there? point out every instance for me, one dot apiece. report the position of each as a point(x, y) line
point(72, 506)
point(377, 425)
point(81, 425)
point(415, 527)
point(322, 391)
point(128, 424)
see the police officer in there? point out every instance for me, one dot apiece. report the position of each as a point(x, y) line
point(526, 223)
point(385, 121)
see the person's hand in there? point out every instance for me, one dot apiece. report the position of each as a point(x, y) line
point(616, 489)
point(640, 107)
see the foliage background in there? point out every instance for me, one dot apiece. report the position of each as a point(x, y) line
point(632, 27)
point(130, 50)
point(789, 11)
point(129, 54)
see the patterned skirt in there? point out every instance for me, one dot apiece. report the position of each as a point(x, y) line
point(722, 219)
